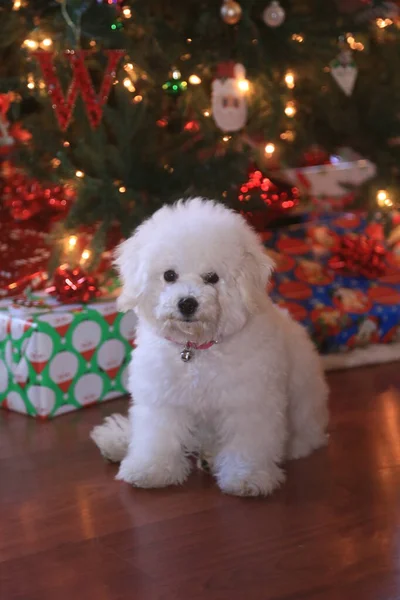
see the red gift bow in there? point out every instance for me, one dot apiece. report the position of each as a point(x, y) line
point(359, 254)
point(73, 285)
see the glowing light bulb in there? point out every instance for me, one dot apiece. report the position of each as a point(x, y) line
point(31, 44)
point(30, 85)
point(194, 79)
point(129, 85)
point(269, 149)
point(289, 80)
point(388, 202)
point(137, 99)
point(243, 85)
point(72, 240)
point(85, 255)
point(290, 109)
point(189, 40)
point(382, 23)
point(297, 37)
point(381, 196)
point(80, 174)
point(66, 144)
point(287, 135)
point(17, 4)
point(176, 74)
point(55, 162)
point(226, 138)
point(128, 67)
point(47, 42)
point(206, 113)
point(122, 189)
point(127, 12)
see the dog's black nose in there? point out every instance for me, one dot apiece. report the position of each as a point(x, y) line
point(188, 306)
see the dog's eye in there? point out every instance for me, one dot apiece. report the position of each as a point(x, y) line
point(170, 276)
point(210, 278)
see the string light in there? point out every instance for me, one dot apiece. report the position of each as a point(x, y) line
point(31, 82)
point(128, 67)
point(382, 23)
point(72, 240)
point(137, 99)
point(297, 37)
point(382, 199)
point(127, 12)
point(287, 135)
point(85, 255)
point(206, 113)
point(243, 85)
point(92, 43)
point(354, 45)
point(194, 79)
point(66, 144)
point(47, 42)
point(289, 80)
point(129, 85)
point(176, 74)
point(31, 44)
point(226, 138)
point(189, 40)
point(55, 162)
point(80, 174)
point(17, 4)
point(269, 149)
point(290, 109)
point(122, 189)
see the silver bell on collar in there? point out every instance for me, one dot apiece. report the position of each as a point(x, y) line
point(187, 353)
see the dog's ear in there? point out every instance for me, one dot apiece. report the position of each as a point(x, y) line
point(256, 271)
point(129, 262)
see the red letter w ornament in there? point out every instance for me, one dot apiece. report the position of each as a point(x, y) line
point(81, 82)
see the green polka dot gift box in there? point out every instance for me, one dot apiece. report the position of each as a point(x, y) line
point(58, 358)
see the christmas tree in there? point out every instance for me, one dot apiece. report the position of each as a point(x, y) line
point(202, 99)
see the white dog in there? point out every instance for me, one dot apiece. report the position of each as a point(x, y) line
point(218, 369)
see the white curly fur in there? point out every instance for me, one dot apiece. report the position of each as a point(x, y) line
point(249, 402)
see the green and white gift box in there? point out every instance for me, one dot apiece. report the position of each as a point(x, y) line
point(57, 358)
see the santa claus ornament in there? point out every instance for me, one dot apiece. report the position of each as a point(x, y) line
point(229, 104)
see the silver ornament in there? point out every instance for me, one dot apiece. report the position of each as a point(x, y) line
point(274, 14)
point(187, 354)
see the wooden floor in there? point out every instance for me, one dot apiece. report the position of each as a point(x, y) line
point(69, 531)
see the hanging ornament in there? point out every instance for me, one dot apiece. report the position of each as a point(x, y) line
point(344, 71)
point(229, 104)
point(231, 12)
point(274, 14)
point(175, 85)
point(81, 82)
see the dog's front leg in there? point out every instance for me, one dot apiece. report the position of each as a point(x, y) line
point(252, 446)
point(156, 454)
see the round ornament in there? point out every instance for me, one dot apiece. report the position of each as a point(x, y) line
point(231, 12)
point(274, 14)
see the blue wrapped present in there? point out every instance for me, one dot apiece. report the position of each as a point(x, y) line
point(341, 311)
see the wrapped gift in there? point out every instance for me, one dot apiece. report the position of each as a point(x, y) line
point(58, 358)
point(331, 186)
point(342, 310)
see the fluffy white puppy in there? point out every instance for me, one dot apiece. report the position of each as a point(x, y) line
point(218, 369)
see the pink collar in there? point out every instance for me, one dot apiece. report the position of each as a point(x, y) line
point(195, 346)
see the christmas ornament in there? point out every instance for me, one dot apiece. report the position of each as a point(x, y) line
point(26, 197)
point(344, 71)
point(359, 254)
point(175, 86)
point(228, 100)
point(73, 285)
point(81, 82)
point(192, 126)
point(231, 12)
point(274, 14)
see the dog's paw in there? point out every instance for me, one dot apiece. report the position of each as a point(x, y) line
point(300, 447)
point(153, 475)
point(254, 483)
